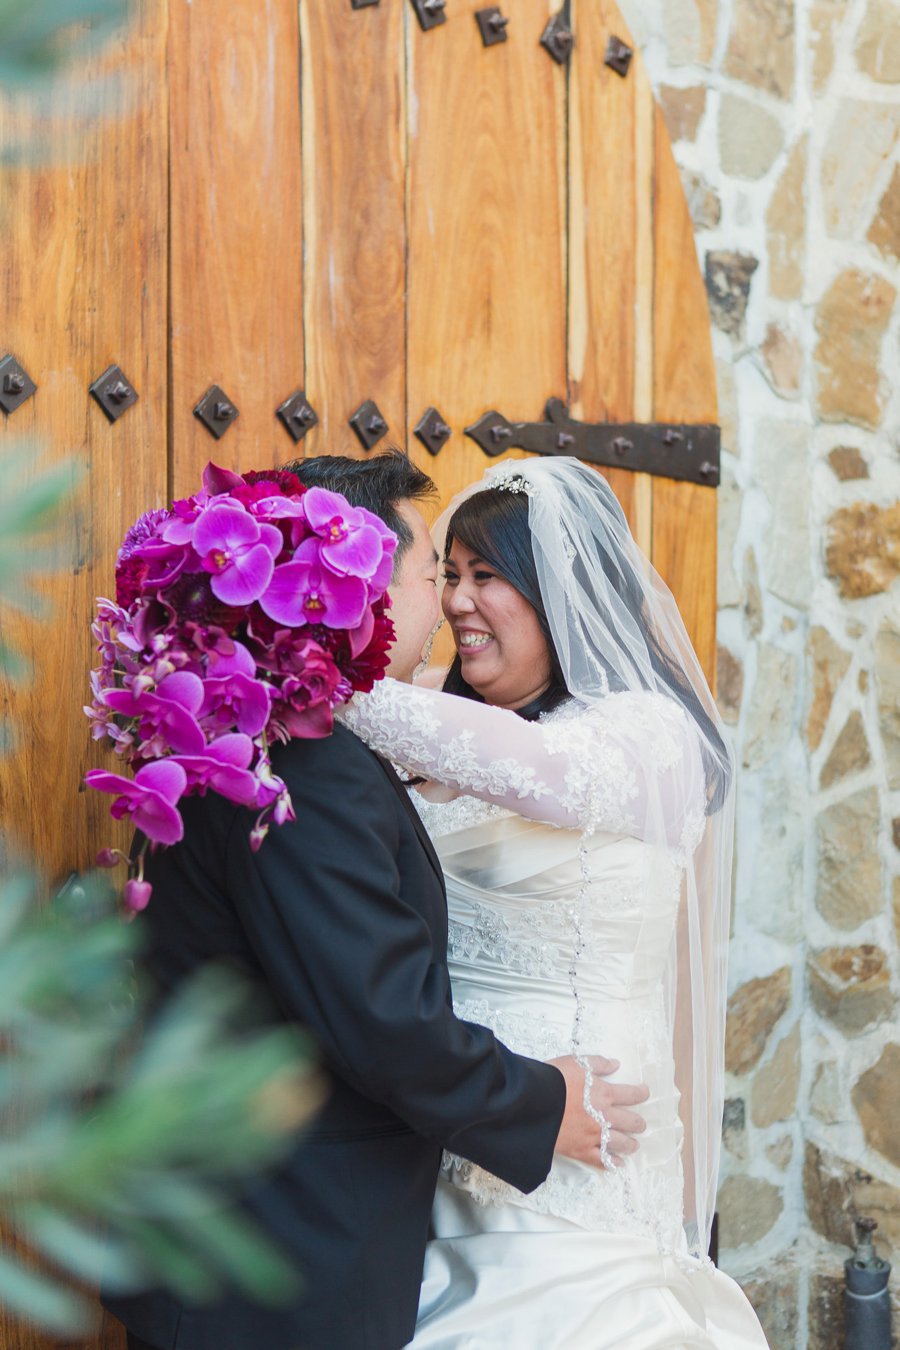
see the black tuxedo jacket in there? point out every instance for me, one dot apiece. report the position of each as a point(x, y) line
point(341, 918)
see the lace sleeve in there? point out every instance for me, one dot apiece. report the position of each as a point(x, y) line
point(630, 765)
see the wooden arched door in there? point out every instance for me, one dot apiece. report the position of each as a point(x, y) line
point(359, 200)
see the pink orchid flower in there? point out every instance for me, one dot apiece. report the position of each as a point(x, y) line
point(149, 798)
point(237, 551)
point(304, 591)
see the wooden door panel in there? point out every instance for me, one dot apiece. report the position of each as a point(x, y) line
point(354, 191)
point(611, 242)
point(684, 390)
point(487, 242)
point(236, 243)
point(83, 287)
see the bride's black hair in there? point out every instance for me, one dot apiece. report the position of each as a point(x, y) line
point(493, 523)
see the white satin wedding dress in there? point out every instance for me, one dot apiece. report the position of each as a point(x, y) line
point(550, 925)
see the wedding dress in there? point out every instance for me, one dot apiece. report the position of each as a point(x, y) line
point(563, 921)
point(588, 866)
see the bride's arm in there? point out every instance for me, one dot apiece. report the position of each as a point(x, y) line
point(629, 765)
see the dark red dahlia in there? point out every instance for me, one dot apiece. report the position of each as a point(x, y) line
point(130, 575)
point(288, 482)
point(191, 600)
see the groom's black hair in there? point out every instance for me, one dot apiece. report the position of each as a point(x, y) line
point(377, 484)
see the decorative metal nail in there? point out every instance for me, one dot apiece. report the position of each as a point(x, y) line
point(493, 25)
point(618, 56)
point(368, 424)
point(16, 385)
point(216, 411)
point(432, 431)
point(363, 4)
point(430, 13)
point(114, 392)
point(298, 415)
point(686, 453)
point(558, 38)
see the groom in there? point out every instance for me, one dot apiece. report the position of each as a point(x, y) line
point(341, 917)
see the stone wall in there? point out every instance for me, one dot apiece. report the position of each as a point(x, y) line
point(785, 118)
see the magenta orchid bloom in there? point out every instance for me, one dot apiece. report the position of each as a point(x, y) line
point(304, 591)
point(353, 540)
point(169, 711)
point(244, 614)
point(232, 695)
point(223, 767)
point(149, 799)
point(237, 551)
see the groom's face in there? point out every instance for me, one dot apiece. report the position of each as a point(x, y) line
point(414, 600)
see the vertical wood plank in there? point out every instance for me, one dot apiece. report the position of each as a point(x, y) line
point(84, 286)
point(487, 239)
point(236, 237)
point(684, 390)
point(610, 240)
point(354, 186)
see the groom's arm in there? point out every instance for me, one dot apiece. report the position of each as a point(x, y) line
point(348, 957)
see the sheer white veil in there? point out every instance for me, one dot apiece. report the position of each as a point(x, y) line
point(616, 629)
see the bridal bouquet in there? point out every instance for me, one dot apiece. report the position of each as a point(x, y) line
point(244, 614)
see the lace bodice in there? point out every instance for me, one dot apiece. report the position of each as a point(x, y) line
point(629, 765)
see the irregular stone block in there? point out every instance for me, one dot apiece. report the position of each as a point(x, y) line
point(830, 664)
point(826, 1309)
point(753, 1012)
point(752, 596)
point(782, 354)
point(887, 684)
point(862, 137)
point(750, 138)
point(884, 232)
point(876, 1097)
point(728, 277)
point(849, 889)
point(748, 1209)
point(878, 43)
point(850, 753)
point(728, 501)
point(782, 461)
point(862, 550)
point(761, 46)
point(683, 110)
point(775, 1294)
point(770, 713)
point(690, 30)
point(847, 462)
point(851, 320)
point(703, 202)
point(729, 684)
point(786, 225)
point(774, 1093)
point(824, 18)
point(826, 1099)
point(851, 986)
point(781, 1152)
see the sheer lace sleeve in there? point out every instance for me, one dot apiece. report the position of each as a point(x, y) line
point(630, 765)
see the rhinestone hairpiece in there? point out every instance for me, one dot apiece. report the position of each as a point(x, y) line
point(511, 480)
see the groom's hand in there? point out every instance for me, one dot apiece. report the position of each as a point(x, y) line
point(579, 1133)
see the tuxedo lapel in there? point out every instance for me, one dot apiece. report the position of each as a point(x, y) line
point(402, 793)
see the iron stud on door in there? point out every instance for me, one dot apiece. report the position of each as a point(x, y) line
point(493, 25)
point(558, 38)
point(114, 393)
point(430, 13)
point(298, 415)
point(216, 411)
point(16, 385)
point(368, 424)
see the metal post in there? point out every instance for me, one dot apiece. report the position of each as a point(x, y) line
point(866, 1298)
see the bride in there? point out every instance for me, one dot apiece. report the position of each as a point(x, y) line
point(575, 782)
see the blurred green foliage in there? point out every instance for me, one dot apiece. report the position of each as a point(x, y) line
point(41, 36)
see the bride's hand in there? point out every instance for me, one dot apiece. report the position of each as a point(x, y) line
point(579, 1133)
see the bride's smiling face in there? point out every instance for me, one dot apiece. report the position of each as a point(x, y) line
point(502, 650)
